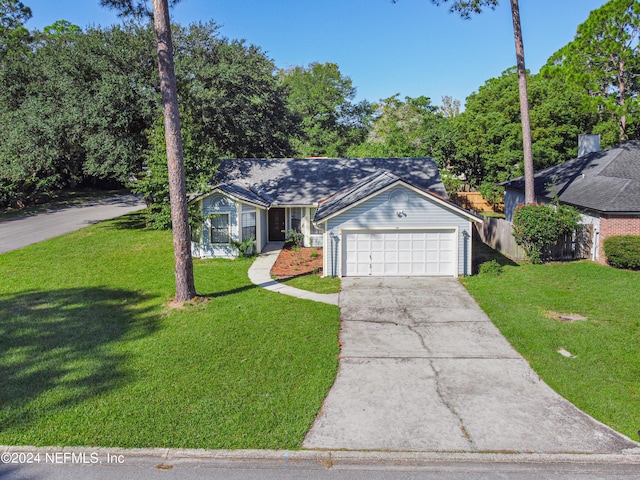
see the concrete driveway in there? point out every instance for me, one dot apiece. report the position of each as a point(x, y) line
point(423, 368)
point(19, 232)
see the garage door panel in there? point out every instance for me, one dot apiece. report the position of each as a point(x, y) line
point(387, 253)
point(377, 269)
point(405, 268)
point(405, 257)
point(404, 245)
point(418, 256)
point(377, 257)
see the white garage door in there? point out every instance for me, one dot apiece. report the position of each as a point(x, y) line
point(387, 253)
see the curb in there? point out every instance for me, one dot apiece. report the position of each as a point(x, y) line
point(165, 457)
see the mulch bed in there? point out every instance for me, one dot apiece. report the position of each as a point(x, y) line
point(293, 262)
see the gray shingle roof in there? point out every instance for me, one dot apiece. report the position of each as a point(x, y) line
point(307, 181)
point(244, 192)
point(607, 181)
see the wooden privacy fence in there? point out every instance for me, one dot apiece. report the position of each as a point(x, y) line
point(497, 233)
point(475, 201)
point(573, 247)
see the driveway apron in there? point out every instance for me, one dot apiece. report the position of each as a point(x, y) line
point(422, 368)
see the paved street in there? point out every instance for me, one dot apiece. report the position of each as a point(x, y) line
point(163, 464)
point(19, 232)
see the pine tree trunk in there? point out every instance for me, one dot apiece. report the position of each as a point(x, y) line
point(529, 192)
point(185, 287)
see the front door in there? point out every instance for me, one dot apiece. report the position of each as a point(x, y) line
point(276, 225)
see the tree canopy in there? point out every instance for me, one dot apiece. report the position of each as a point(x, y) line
point(322, 98)
point(82, 107)
point(13, 35)
point(603, 61)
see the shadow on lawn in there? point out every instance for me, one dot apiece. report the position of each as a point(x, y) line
point(131, 221)
point(484, 253)
point(57, 347)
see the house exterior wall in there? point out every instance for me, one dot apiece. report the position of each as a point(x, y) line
point(611, 225)
point(379, 212)
point(589, 217)
point(513, 198)
point(217, 204)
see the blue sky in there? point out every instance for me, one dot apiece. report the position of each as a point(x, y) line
point(411, 47)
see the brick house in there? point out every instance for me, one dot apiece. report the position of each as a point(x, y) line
point(603, 185)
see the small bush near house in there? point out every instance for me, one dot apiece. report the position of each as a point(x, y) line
point(623, 251)
point(294, 238)
point(492, 268)
point(246, 247)
point(536, 227)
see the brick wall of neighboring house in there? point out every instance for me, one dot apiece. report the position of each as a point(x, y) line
point(617, 225)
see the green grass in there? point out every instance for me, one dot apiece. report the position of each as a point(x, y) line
point(90, 354)
point(314, 283)
point(602, 379)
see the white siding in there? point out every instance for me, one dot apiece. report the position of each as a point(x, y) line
point(378, 213)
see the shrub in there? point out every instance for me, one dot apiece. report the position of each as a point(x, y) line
point(294, 238)
point(245, 248)
point(491, 269)
point(623, 251)
point(492, 193)
point(536, 227)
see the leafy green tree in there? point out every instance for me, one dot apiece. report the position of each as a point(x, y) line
point(152, 182)
point(604, 60)
point(489, 143)
point(232, 103)
point(323, 100)
point(467, 7)
point(231, 107)
point(74, 111)
point(411, 127)
point(14, 37)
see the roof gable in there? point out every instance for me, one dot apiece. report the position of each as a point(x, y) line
point(360, 190)
point(605, 181)
point(372, 185)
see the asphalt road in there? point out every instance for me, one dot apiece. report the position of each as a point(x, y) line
point(19, 232)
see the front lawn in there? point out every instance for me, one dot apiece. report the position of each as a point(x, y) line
point(90, 355)
point(527, 302)
point(314, 283)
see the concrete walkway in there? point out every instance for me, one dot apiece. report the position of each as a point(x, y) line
point(422, 368)
point(260, 274)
